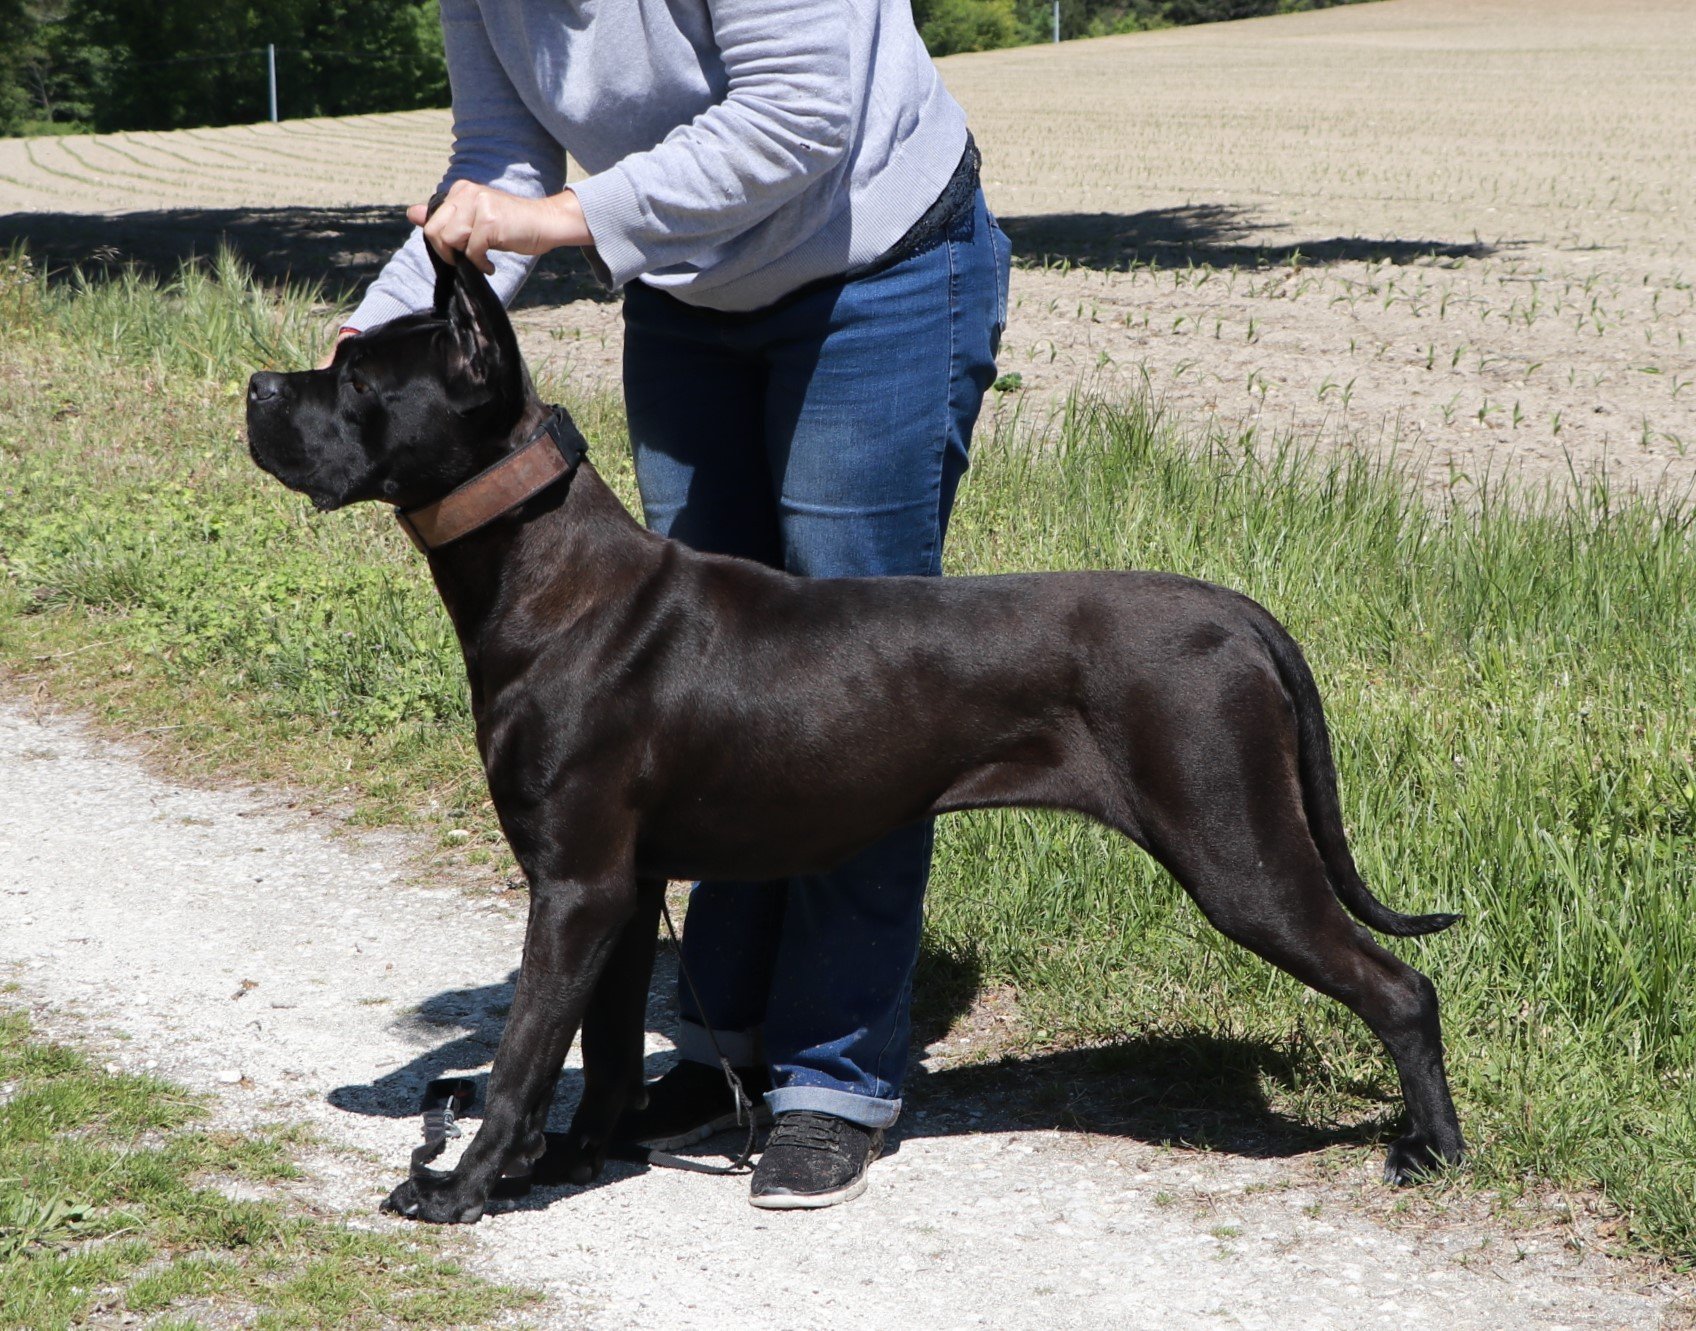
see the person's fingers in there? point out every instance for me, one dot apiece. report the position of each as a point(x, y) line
point(445, 231)
point(475, 219)
point(485, 230)
point(476, 248)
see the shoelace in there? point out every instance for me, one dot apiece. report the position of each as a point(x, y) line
point(815, 1132)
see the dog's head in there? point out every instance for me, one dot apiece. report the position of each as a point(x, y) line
point(404, 413)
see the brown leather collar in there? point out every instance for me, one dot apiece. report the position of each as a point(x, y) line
point(537, 463)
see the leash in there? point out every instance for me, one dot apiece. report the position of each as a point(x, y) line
point(447, 1099)
point(738, 1093)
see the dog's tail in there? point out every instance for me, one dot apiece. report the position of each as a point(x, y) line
point(1318, 774)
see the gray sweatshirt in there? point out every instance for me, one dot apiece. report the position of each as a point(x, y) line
point(735, 148)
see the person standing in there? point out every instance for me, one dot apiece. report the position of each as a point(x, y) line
point(814, 292)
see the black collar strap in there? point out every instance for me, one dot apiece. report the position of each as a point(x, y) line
point(552, 452)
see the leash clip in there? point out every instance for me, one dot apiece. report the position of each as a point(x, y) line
point(445, 1100)
point(743, 1104)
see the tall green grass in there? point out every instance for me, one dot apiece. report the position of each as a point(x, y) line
point(1511, 685)
point(1509, 682)
point(209, 320)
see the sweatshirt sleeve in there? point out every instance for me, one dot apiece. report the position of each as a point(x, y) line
point(786, 118)
point(496, 141)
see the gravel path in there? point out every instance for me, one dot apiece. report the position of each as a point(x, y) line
point(257, 953)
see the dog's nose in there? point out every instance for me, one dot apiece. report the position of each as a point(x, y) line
point(264, 386)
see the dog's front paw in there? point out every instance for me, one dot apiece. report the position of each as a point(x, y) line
point(434, 1199)
point(1413, 1159)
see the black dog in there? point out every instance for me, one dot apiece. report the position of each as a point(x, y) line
point(647, 713)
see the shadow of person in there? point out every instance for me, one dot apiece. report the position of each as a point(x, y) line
point(471, 1020)
point(342, 248)
point(1210, 234)
point(1194, 1091)
point(460, 1029)
point(945, 986)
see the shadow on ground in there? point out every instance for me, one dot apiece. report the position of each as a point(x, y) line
point(1195, 1090)
point(457, 1030)
point(339, 249)
point(1209, 234)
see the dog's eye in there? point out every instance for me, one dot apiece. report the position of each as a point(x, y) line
point(358, 384)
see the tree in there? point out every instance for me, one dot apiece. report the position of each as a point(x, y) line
point(18, 49)
point(948, 26)
point(41, 65)
point(165, 64)
point(368, 55)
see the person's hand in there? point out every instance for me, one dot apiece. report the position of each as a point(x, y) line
point(342, 335)
point(475, 219)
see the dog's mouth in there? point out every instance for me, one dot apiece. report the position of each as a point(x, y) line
point(323, 500)
point(299, 474)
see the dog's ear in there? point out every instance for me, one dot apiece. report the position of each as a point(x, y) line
point(444, 271)
point(443, 295)
point(484, 346)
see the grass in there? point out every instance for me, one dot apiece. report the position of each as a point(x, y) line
point(1510, 685)
point(1511, 692)
point(115, 1205)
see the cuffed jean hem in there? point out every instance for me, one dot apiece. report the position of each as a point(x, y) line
point(865, 1110)
point(743, 1048)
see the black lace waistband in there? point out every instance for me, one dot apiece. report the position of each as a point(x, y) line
point(941, 220)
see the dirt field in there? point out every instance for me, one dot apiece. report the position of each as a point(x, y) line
point(1459, 228)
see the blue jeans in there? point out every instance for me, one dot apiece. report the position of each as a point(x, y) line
point(824, 435)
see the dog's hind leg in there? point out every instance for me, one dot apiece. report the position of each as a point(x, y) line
point(1277, 902)
point(612, 1038)
point(1229, 823)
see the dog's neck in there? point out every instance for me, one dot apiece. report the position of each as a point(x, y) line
point(546, 455)
point(548, 559)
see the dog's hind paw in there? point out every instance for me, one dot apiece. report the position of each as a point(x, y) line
point(574, 1158)
point(1414, 1159)
point(434, 1200)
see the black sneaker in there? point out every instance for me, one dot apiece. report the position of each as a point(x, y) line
point(689, 1104)
point(813, 1160)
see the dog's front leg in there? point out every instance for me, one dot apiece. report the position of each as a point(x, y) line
point(612, 1038)
point(573, 926)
